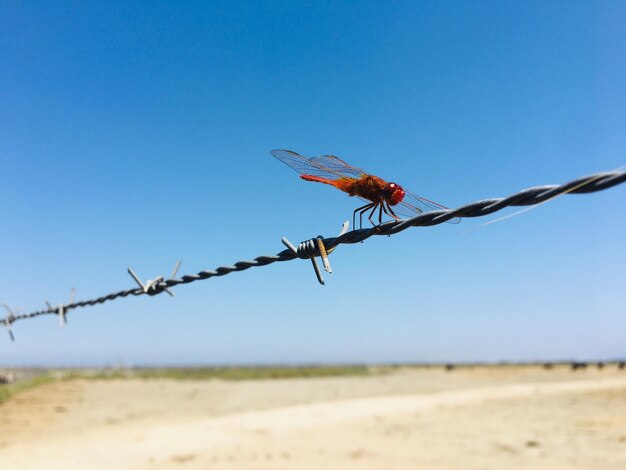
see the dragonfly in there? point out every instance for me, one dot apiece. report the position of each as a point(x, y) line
point(386, 197)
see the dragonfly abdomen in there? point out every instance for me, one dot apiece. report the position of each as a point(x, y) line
point(340, 183)
point(367, 186)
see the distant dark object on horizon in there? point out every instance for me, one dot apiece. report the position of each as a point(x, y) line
point(6, 379)
point(579, 365)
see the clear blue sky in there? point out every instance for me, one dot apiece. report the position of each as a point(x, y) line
point(136, 134)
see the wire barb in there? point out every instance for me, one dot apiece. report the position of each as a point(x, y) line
point(527, 197)
point(61, 309)
point(157, 285)
point(314, 247)
point(10, 318)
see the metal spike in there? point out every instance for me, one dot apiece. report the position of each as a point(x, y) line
point(173, 276)
point(323, 254)
point(10, 318)
point(61, 313)
point(318, 273)
point(137, 280)
point(289, 245)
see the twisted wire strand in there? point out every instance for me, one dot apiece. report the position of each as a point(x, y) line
point(527, 197)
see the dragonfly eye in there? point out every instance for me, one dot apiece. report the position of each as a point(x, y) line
point(393, 193)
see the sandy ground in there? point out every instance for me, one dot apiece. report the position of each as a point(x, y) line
point(479, 418)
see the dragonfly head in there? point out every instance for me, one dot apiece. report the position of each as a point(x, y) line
point(393, 193)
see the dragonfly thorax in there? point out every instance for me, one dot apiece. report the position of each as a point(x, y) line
point(393, 193)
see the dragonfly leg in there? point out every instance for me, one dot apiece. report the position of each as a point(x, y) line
point(354, 214)
point(360, 210)
point(389, 211)
point(369, 217)
point(380, 212)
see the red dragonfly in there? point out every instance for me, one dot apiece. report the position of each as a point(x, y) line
point(390, 198)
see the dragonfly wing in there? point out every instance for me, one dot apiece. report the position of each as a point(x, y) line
point(412, 205)
point(304, 165)
point(327, 166)
point(337, 165)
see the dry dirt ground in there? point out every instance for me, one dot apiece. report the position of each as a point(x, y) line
point(474, 418)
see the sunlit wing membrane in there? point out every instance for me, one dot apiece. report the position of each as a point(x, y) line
point(412, 205)
point(325, 166)
point(337, 165)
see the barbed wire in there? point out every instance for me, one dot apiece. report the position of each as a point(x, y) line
point(321, 247)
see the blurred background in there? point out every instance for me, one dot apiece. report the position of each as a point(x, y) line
point(136, 134)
